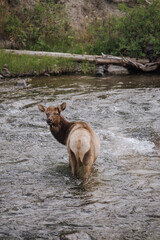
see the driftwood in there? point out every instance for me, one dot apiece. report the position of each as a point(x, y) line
point(142, 64)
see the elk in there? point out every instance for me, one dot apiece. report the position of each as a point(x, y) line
point(82, 142)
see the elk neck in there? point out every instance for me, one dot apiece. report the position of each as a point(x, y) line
point(61, 131)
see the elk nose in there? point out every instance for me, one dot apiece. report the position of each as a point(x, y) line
point(49, 121)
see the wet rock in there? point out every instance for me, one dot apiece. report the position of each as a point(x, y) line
point(21, 83)
point(75, 236)
point(5, 72)
point(100, 70)
point(47, 75)
point(117, 70)
point(1, 77)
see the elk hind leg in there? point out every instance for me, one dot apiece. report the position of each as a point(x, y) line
point(72, 160)
point(87, 164)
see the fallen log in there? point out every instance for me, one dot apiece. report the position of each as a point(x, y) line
point(77, 57)
point(142, 64)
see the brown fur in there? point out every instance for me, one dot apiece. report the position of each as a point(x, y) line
point(82, 142)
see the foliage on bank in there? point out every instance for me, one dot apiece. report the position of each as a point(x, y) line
point(26, 65)
point(34, 65)
point(46, 27)
point(135, 34)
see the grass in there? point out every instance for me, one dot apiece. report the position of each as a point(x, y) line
point(19, 65)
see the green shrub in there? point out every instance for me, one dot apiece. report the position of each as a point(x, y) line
point(130, 34)
point(3, 16)
point(102, 37)
point(139, 28)
point(42, 27)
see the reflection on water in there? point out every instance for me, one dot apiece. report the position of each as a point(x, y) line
point(40, 199)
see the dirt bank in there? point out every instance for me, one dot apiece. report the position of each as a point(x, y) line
point(82, 11)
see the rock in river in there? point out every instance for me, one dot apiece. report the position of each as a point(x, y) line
point(75, 236)
point(21, 83)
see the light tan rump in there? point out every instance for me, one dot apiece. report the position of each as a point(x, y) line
point(83, 146)
point(80, 143)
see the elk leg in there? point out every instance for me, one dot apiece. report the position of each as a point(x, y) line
point(72, 160)
point(87, 171)
point(87, 164)
point(78, 164)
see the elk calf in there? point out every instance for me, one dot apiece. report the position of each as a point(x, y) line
point(82, 142)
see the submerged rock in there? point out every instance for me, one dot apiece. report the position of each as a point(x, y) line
point(21, 83)
point(75, 236)
point(117, 70)
point(100, 70)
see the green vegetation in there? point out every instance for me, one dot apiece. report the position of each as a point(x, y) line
point(45, 27)
point(130, 34)
point(35, 65)
point(42, 27)
point(18, 64)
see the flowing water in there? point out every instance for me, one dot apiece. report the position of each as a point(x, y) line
point(39, 197)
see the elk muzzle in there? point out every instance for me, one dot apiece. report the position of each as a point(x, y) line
point(49, 121)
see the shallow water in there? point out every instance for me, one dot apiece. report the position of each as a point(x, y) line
point(39, 198)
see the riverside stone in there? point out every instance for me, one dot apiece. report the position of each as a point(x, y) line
point(21, 83)
point(100, 71)
point(75, 236)
point(117, 70)
point(5, 72)
point(1, 77)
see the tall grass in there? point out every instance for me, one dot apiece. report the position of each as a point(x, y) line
point(24, 64)
point(20, 65)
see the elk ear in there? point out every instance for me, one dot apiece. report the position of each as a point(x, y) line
point(42, 108)
point(62, 107)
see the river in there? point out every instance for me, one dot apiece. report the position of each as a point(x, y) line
point(39, 197)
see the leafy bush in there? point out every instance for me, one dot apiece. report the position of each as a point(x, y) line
point(3, 15)
point(42, 27)
point(102, 37)
point(130, 34)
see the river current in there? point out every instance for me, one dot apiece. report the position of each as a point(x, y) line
point(39, 197)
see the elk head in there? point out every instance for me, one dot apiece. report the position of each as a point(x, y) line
point(52, 113)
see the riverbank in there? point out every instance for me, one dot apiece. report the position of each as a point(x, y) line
point(24, 63)
point(15, 65)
